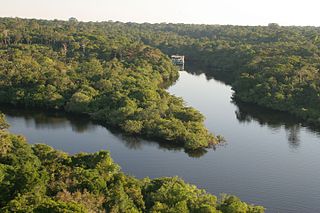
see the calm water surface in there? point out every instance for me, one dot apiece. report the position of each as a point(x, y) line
point(270, 159)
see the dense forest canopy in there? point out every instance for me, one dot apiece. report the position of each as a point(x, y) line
point(98, 69)
point(41, 179)
point(117, 74)
point(273, 66)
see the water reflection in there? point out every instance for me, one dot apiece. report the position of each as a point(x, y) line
point(275, 120)
point(247, 113)
point(54, 120)
point(293, 135)
point(50, 119)
point(137, 143)
point(210, 73)
point(256, 164)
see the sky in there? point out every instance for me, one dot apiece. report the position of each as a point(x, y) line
point(235, 12)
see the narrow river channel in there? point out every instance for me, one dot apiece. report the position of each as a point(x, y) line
point(270, 158)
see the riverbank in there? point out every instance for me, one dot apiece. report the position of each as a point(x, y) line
point(114, 79)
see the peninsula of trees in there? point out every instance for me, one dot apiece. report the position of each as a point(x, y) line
point(98, 70)
point(117, 73)
point(272, 66)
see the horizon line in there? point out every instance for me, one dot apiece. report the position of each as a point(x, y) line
point(135, 22)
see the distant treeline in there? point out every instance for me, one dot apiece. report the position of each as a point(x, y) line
point(272, 66)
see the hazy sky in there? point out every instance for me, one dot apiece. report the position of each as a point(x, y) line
point(240, 12)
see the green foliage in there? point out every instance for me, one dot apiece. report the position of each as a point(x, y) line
point(272, 66)
point(41, 179)
point(3, 124)
point(99, 70)
point(173, 195)
point(50, 205)
point(232, 204)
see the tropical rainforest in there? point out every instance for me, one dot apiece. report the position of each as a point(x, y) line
point(41, 179)
point(100, 71)
point(272, 66)
point(117, 73)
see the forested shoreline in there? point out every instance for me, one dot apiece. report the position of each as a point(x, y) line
point(117, 74)
point(272, 66)
point(41, 179)
point(100, 71)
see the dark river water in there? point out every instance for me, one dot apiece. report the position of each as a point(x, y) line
point(270, 158)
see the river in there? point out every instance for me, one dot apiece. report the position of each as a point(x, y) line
point(270, 158)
